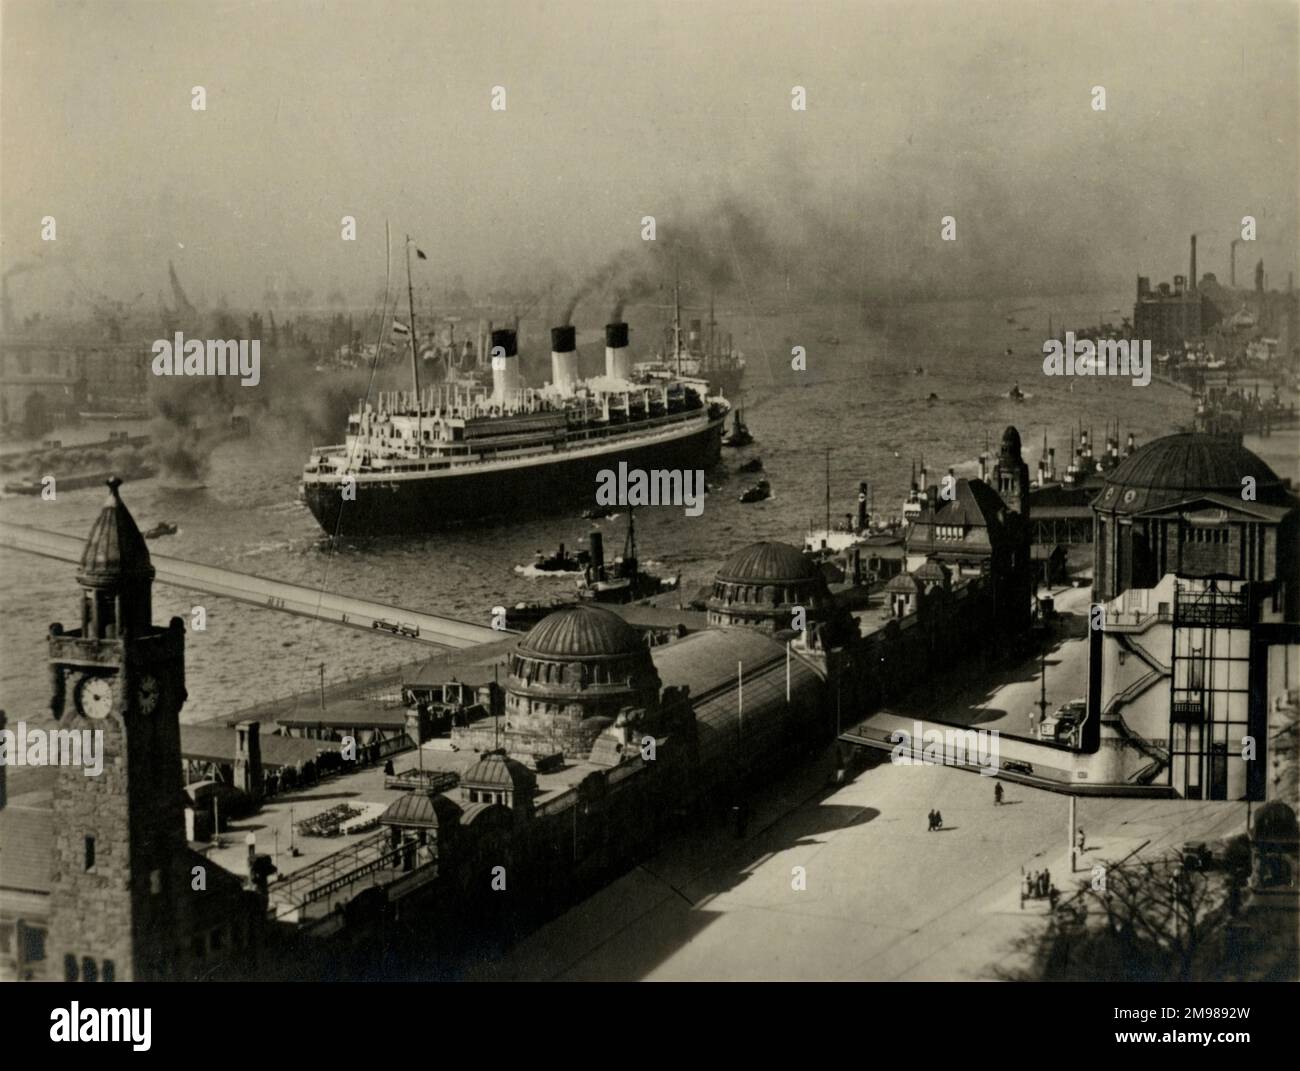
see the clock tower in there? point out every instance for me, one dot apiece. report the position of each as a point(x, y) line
point(120, 874)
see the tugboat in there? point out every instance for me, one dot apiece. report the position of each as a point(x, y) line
point(757, 493)
point(556, 564)
point(752, 465)
point(739, 434)
point(622, 580)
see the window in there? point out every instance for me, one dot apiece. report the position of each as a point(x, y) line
point(90, 854)
point(31, 943)
point(69, 968)
point(155, 882)
point(109, 972)
point(89, 970)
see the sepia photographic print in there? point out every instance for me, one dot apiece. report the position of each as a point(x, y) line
point(742, 491)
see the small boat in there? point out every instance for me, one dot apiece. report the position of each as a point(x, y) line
point(919, 370)
point(739, 434)
point(597, 513)
point(757, 493)
point(754, 464)
point(830, 340)
point(163, 528)
point(1022, 327)
point(1016, 394)
point(932, 399)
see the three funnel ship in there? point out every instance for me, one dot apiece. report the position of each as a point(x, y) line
point(458, 452)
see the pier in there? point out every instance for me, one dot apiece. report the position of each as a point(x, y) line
point(273, 594)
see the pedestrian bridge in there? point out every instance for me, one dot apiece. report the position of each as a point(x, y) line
point(272, 594)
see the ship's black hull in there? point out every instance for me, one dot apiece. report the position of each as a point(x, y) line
point(553, 486)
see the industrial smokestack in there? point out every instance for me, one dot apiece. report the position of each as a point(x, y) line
point(506, 379)
point(618, 362)
point(564, 359)
point(597, 556)
point(1191, 282)
point(862, 506)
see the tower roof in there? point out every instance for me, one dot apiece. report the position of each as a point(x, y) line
point(115, 551)
point(497, 770)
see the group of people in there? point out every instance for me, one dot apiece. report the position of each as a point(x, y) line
point(1038, 886)
point(936, 821)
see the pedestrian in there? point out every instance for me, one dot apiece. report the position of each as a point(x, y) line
point(997, 794)
point(930, 829)
point(938, 819)
point(1032, 724)
point(1081, 840)
point(1047, 882)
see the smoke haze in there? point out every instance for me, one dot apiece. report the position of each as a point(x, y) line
point(325, 110)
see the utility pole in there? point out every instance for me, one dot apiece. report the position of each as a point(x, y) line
point(1070, 833)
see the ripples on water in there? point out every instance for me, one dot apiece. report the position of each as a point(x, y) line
point(858, 398)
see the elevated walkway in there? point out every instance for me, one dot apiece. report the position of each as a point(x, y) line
point(1054, 767)
point(273, 594)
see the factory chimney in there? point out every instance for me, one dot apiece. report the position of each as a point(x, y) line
point(506, 379)
point(618, 362)
point(597, 565)
point(564, 359)
point(1191, 282)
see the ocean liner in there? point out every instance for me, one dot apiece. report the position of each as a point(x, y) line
point(456, 452)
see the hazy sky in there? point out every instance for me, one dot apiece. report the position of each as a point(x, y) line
point(617, 110)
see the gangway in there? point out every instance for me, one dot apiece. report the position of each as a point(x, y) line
point(273, 594)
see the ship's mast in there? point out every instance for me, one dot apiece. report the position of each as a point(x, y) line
point(828, 495)
point(415, 350)
point(677, 323)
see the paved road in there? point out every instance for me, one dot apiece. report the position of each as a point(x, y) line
point(884, 898)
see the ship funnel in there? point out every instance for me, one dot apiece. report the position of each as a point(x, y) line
point(618, 362)
point(862, 506)
point(597, 556)
point(564, 359)
point(506, 379)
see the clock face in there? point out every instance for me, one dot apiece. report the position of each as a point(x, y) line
point(148, 691)
point(95, 696)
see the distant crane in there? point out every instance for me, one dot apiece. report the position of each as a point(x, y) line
point(183, 305)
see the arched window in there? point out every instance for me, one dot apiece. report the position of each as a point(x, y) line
point(69, 968)
point(109, 971)
point(89, 970)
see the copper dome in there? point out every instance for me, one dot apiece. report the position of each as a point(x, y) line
point(1182, 466)
point(582, 631)
point(768, 562)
